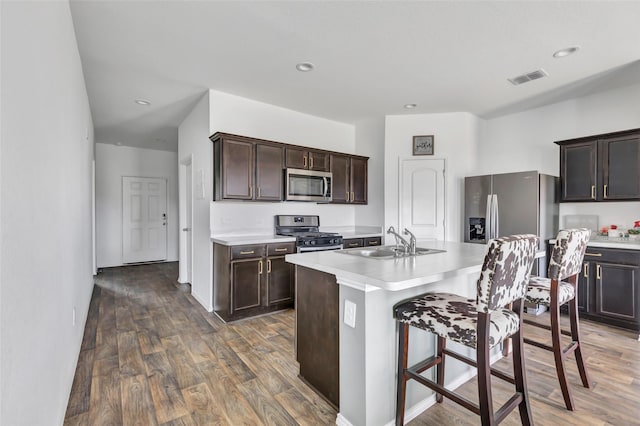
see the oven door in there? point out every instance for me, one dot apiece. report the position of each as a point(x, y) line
point(308, 185)
point(306, 249)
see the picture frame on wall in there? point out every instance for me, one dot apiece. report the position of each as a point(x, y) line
point(423, 145)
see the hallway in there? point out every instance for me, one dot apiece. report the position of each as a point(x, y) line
point(152, 355)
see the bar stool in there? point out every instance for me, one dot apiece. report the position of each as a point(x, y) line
point(480, 323)
point(555, 291)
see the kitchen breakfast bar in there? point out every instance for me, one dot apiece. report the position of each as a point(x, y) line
point(366, 332)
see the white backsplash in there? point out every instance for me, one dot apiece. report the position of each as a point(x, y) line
point(253, 218)
point(621, 213)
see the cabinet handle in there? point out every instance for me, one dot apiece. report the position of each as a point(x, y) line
point(247, 252)
point(605, 192)
point(268, 266)
point(593, 254)
point(598, 271)
point(304, 161)
point(310, 161)
point(585, 270)
point(260, 267)
point(353, 244)
point(258, 192)
point(282, 249)
point(352, 197)
point(251, 192)
point(373, 243)
point(593, 192)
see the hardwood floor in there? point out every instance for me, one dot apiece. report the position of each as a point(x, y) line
point(151, 355)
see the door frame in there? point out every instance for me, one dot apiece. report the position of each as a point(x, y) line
point(185, 265)
point(401, 162)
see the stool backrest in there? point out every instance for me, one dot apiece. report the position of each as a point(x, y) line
point(506, 271)
point(568, 253)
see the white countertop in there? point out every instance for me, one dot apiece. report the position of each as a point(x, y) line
point(238, 239)
point(400, 273)
point(612, 242)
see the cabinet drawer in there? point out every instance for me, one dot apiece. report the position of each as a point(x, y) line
point(372, 241)
point(247, 252)
point(353, 242)
point(280, 249)
point(621, 257)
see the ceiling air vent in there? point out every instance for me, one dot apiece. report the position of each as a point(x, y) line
point(533, 75)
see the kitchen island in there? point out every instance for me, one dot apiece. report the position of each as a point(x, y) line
point(367, 350)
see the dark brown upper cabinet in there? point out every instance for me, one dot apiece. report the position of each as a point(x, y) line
point(601, 167)
point(349, 184)
point(300, 158)
point(247, 169)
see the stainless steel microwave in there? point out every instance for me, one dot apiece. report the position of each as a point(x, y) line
point(307, 185)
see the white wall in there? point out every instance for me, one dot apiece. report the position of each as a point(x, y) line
point(524, 141)
point(46, 247)
point(370, 143)
point(112, 163)
point(455, 140)
point(193, 143)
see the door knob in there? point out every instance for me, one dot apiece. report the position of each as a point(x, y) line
point(186, 229)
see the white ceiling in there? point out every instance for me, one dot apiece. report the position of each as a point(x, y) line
point(371, 57)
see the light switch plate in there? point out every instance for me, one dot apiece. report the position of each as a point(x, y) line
point(350, 313)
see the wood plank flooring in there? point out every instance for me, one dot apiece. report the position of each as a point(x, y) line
point(151, 355)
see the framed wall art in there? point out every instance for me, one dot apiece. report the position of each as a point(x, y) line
point(423, 145)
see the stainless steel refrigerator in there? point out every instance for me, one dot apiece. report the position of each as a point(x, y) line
point(511, 203)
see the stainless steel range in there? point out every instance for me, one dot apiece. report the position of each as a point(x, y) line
point(306, 231)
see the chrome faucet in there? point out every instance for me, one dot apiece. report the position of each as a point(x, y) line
point(412, 241)
point(406, 245)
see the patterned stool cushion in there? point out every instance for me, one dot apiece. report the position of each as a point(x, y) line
point(539, 291)
point(455, 317)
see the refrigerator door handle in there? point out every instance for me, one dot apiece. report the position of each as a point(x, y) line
point(487, 221)
point(496, 217)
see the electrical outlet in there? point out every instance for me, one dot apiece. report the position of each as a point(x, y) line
point(350, 313)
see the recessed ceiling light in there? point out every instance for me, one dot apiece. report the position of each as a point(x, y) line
point(305, 66)
point(566, 52)
point(410, 106)
point(142, 102)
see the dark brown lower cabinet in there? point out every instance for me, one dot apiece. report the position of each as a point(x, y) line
point(317, 332)
point(362, 242)
point(252, 280)
point(609, 287)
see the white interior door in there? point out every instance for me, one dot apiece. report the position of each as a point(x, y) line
point(422, 198)
point(144, 219)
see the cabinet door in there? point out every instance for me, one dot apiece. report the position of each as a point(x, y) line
point(616, 291)
point(269, 172)
point(237, 170)
point(620, 168)
point(583, 287)
point(318, 161)
point(353, 242)
point(281, 280)
point(296, 158)
point(578, 171)
point(246, 284)
point(340, 183)
point(358, 180)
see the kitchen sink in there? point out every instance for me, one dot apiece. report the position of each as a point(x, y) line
point(387, 252)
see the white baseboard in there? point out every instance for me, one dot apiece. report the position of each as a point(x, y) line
point(201, 301)
point(423, 405)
